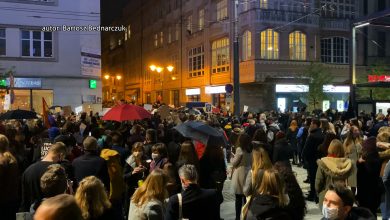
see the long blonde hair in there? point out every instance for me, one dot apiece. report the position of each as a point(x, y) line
point(272, 184)
point(92, 198)
point(154, 187)
point(293, 125)
point(350, 141)
point(260, 161)
point(4, 150)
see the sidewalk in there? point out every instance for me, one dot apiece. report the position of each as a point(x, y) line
point(228, 208)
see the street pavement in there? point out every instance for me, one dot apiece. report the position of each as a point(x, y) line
point(228, 208)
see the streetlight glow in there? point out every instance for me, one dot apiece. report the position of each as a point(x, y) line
point(159, 69)
point(152, 67)
point(362, 25)
point(170, 68)
point(118, 77)
point(106, 76)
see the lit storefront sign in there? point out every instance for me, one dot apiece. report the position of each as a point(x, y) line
point(325, 105)
point(193, 91)
point(291, 88)
point(336, 89)
point(26, 82)
point(340, 105)
point(381, 78)
point(215, 89)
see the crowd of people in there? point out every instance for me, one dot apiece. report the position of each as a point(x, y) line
point(81, 167)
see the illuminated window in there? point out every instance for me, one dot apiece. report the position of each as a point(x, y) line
point(155, 40)
point(177, 31)
point(297, 43)
point(128, 31)
point(220, 58)
point(269, 44)
point(246, 45)
point(161, 38)
point(196, 61)
point(222, 12)
point(189, 24)
point(264, 4)
point(169, 34)
point(335, 50)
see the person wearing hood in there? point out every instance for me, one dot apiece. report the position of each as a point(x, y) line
point(282, 149)
point(332, 168)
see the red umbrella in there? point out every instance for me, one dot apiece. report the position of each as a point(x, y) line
point(126, 113)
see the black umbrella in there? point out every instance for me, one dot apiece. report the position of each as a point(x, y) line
point(18, 114)
point(201, 132)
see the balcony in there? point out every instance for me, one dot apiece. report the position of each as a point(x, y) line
point(335, 24)
point(279, 16)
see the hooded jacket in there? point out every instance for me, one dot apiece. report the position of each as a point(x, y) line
point(266, 207)
point(331, 170)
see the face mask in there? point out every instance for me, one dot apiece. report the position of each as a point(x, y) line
point(329, 213)
point(155, 156)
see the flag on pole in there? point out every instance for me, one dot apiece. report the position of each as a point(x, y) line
point(45, 109)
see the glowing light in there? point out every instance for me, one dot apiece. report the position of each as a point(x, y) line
point(106, 76)
point(152, 67)
point(159, 69)
point(170, 68)
point(118, 77)
point(174, 78)
point(270, 48)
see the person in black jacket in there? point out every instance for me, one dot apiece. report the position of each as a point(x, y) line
point(31, 190)
point(90, 164)
point(310, 154)
point(282, 149)
point(197, 203)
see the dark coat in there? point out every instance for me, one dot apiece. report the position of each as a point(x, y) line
point(197, 204)
point(9, 182)
point(310, 153)
point(266, 207)
point(31, 179)
point(369, 184)
point(90, 164)
point(291, 137)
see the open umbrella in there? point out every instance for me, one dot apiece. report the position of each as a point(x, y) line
point(126, 112)
point(201, 132)
point(18, 114)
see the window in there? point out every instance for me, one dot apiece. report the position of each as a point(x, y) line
point(335, 50)
point(37, 44)
point(128, 31)
point(264, 4)
point(297, 43)
point(2, 41)
point(269, 44)
point(196, 61)
point(245, 5)
point(189, 24)
point(201, 19)
point(222, 12)
point(161, 38)
point(155, 40)
point(220, 58)
point(193, 98)
point(246, 45)
point(174, 61)
point(169, 34)
point(339, 9)
point(177, 32)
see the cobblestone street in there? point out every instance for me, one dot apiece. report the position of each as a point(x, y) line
point(228, 210)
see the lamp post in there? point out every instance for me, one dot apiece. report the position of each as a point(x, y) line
point(109, 79)
point(160, 70)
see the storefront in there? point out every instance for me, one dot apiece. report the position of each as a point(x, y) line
point(28, 94)
point(193, 95)
point(289, 97)
point(218, 95)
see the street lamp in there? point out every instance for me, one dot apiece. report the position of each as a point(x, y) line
point(109, 79)
point(106, 76)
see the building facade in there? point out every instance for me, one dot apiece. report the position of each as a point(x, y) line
point(278, 40)
point(52, 51)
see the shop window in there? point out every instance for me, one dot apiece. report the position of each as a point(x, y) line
point(193, 98)
point(219, 99)
point(222, 12)
point(37, 96)
point(246, 45)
